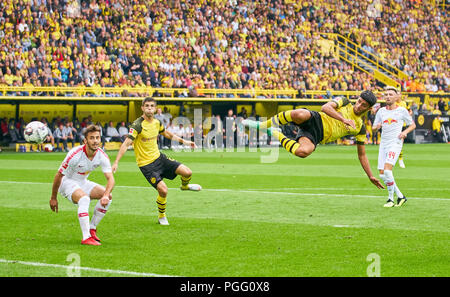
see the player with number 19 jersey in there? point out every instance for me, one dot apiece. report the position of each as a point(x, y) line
point(391, 126)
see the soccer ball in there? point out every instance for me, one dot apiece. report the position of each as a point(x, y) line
point(48, 147)
point(35, 132)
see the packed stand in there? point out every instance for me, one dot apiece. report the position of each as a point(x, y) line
point(212, 44)
point(411, 35)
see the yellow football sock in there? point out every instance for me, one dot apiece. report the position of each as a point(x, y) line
point(281, 118)
point(161, 202)
point(185, 182)
point(288, 144)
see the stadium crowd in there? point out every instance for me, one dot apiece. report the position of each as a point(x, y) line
point(216, 44)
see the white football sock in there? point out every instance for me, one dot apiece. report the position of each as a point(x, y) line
point(398, 192)
point(390, 183)
point(383, 178)
point(99, 213)
point(83, 216)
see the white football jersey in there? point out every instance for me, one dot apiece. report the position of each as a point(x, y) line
point(392, 122)
point(77, 165)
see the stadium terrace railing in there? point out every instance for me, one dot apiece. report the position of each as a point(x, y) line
point(354, 53)
point(178, 94)
point(440, 3)
point(115, 92)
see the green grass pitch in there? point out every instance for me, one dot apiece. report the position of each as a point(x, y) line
point(318, 216)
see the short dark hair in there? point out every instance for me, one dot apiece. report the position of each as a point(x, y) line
point(90, 129)
point(369, 97)
point(148, 99)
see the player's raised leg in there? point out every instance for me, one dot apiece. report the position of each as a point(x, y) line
point(301, 148)
point(99, 210)
point(186, 176)
point(82, 199)
point(296, 116)
point(282, 118)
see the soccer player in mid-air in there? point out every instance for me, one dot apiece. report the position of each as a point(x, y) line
point(391, 118)
point(336, 119)
point(154, 165)
point(71, 182)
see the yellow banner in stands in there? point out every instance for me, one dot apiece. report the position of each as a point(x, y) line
point(49, 111)
point(266, 109)
point(102, 113)
point(7, 111)
point(432, 101)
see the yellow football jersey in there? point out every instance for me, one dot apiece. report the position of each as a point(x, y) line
point(334, 129)
point(145, 137)
point(402, 104)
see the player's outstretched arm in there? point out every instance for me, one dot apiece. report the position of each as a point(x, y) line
point(366, 166)
point(171, 136)
point(123, 149)
point(55, 187)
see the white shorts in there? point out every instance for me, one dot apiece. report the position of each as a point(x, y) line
point(389, 153)
point(68, 186)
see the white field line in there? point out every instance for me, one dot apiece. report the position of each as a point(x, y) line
point(254, 191)
point(316, 194)
point(84, 268)
point(341, 189)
